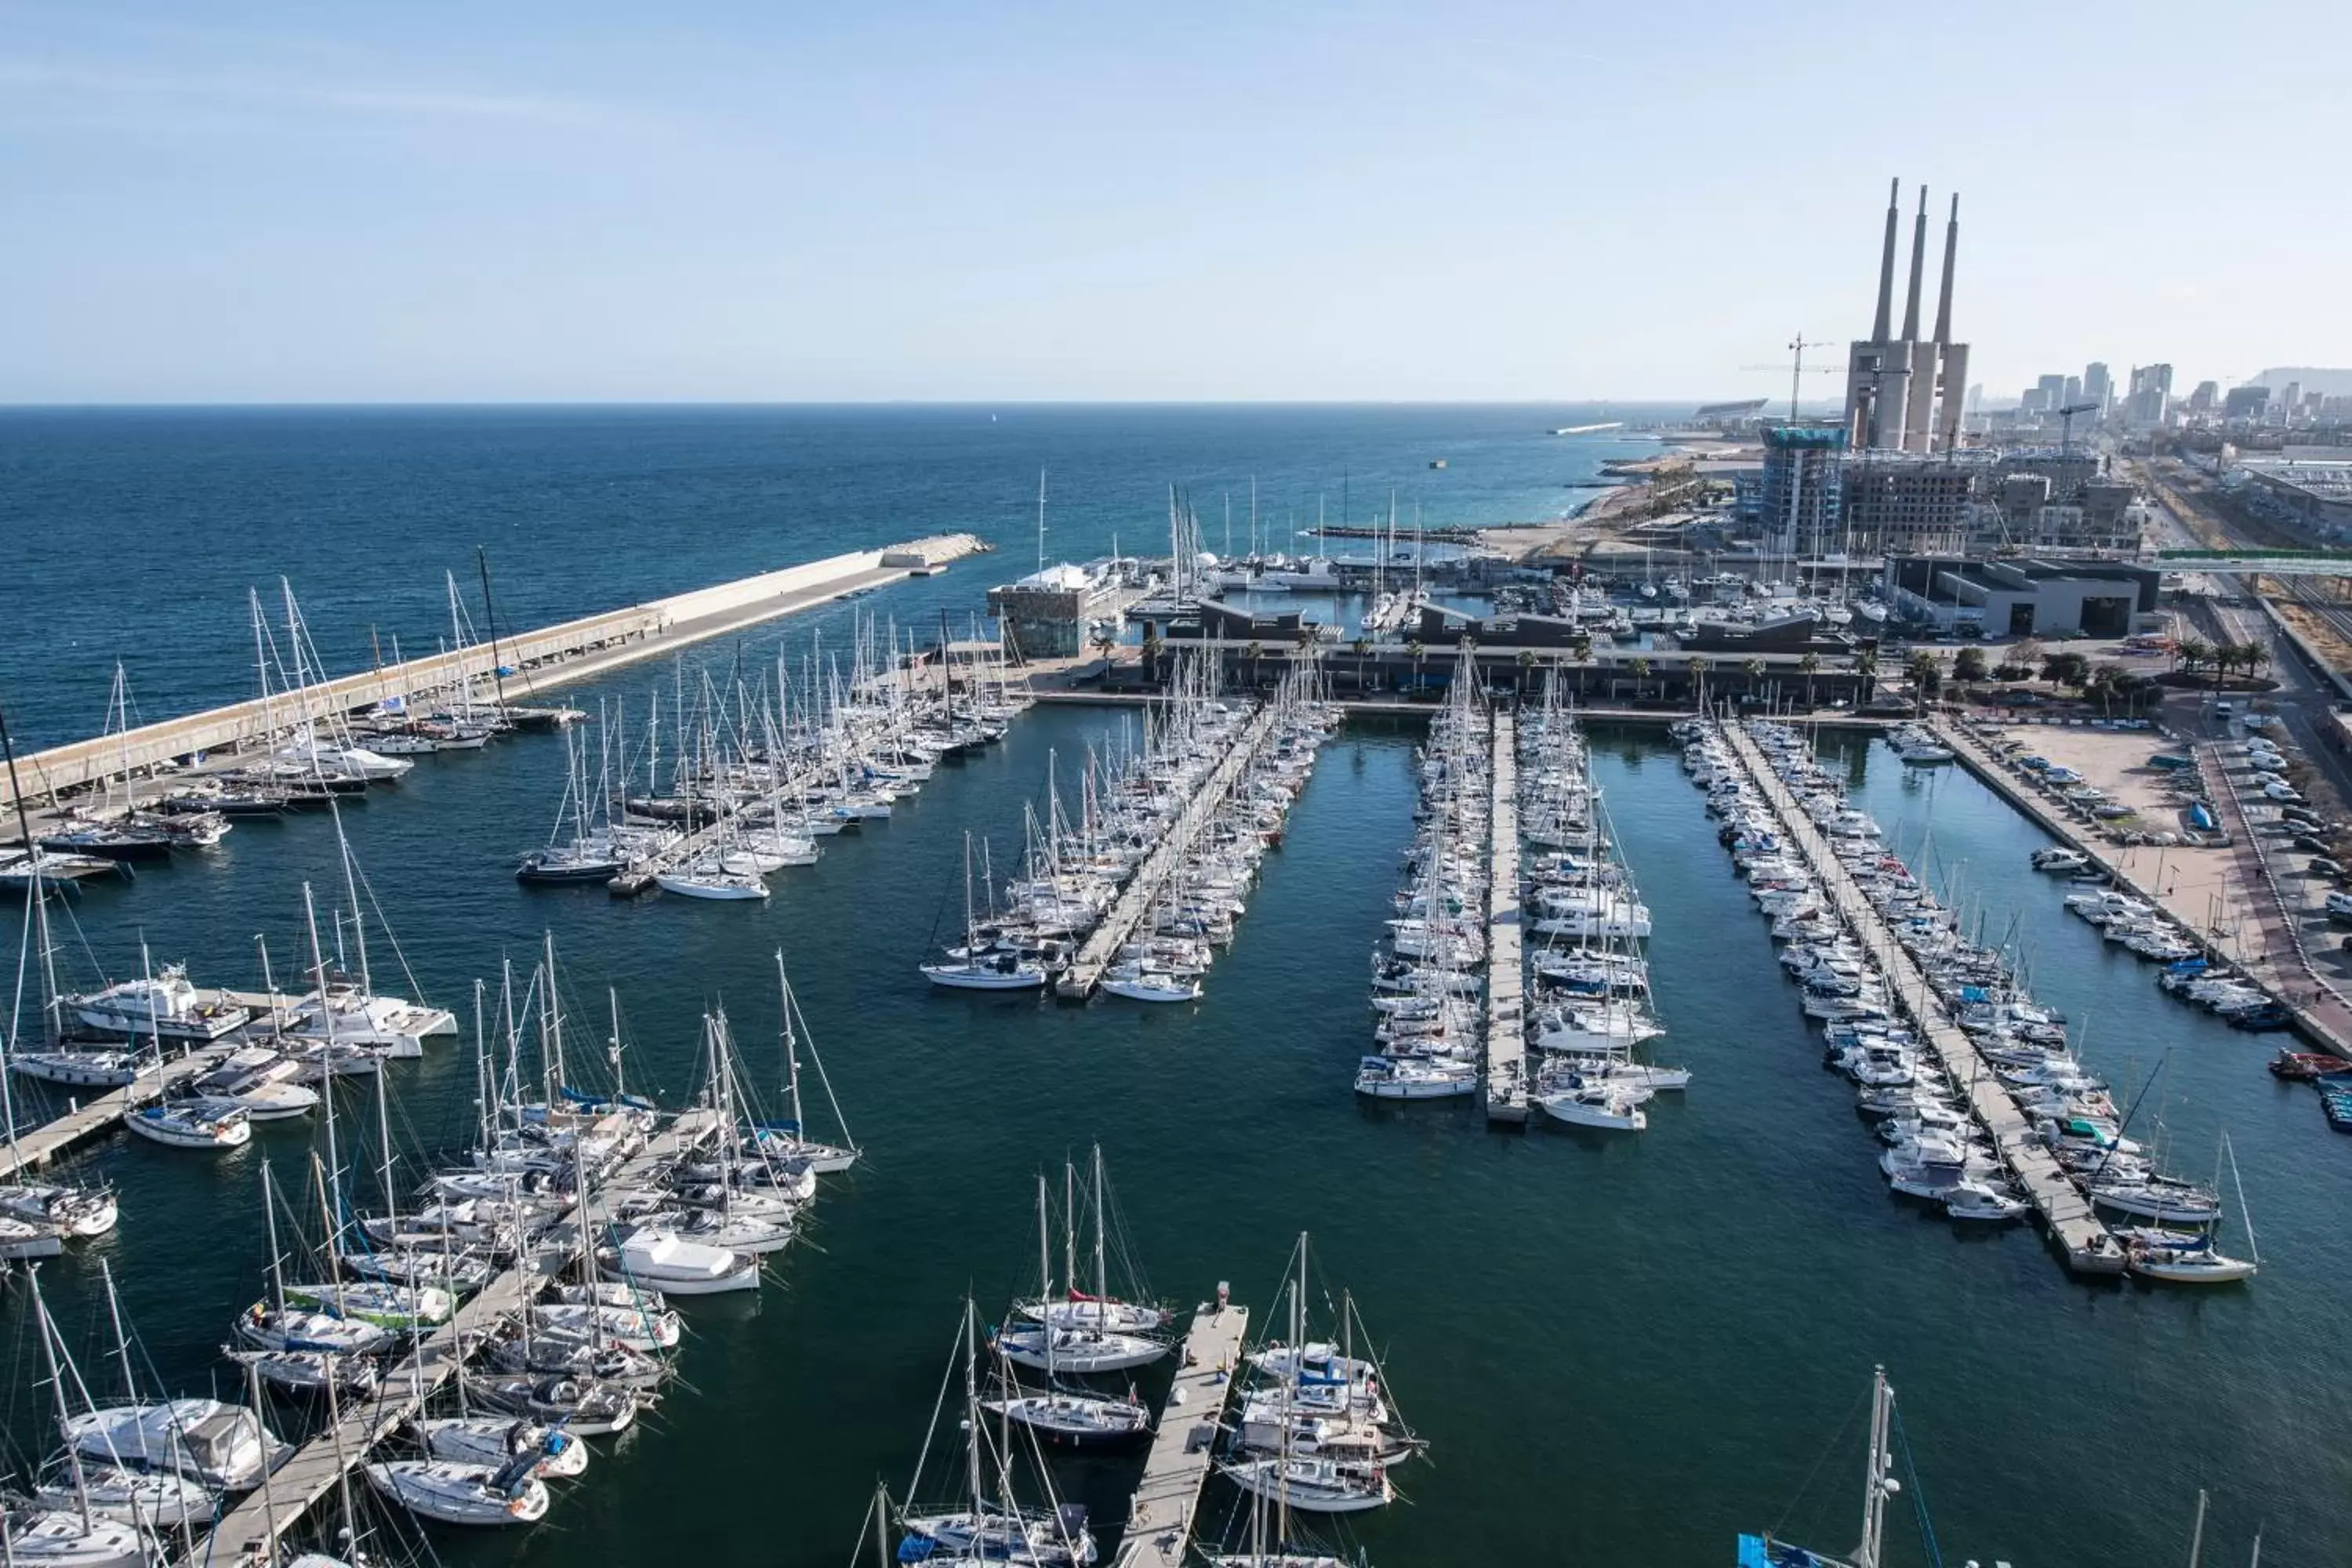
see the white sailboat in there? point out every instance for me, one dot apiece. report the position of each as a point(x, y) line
point(972, 967)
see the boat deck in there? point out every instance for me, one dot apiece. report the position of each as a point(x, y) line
point(1507, 1039)
point(2066, 1214)
point(244, 1533)
point(1086, 971)
point(1160, 1516)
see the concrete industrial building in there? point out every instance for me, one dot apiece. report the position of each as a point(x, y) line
point(2314, 494)
point(1050, 614)
point(1904, 501)
point(2020, 598)
point(1904, 393)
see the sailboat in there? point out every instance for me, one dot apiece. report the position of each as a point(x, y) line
point(789, 1140)
point(1083, 1335)
point(65, 1526)
point(1058, 1415)
point(972, 967)
point(981, 1527)
point(2191, 1258)
point(454, 1493)
point(1317, 1431)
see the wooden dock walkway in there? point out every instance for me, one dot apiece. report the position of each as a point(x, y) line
point(2066, 1214)
point(36, 1146)
point(1160, 1515)
point(1134, 901)
point(1506, 1036)
point(243, 1535)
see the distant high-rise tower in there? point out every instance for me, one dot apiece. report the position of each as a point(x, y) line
point(2098, 386)
point(1905, 392)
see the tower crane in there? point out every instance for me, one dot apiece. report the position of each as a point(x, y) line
point(1797, 347)
point(2067, 427)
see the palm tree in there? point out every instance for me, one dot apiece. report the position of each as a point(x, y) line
point(1811, 665)
point(1413, 650)
point(1640, 668)
point(1152, 648)
point(1526, 661)
point(1695, 671)
point(1865, 666)
point(1754, 671)
point(1927, 673)
point(2253, 656)
point(2191, 653)
point(1254, 652)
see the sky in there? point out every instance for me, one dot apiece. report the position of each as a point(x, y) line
point(254, 202)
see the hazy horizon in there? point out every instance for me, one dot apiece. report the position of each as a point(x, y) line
point(911, 202)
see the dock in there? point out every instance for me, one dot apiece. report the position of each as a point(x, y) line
point(35, 1147)
point(246, 1532)
point(1159, 1516)
point(2066, 1214)
point(1086, 971)
point(572, 651)
point(1506, 1037)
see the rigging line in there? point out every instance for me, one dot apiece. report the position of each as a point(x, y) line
point(1918, 1493)
point(1813, 1474)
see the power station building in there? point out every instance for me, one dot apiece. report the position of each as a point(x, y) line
point(1906, 392)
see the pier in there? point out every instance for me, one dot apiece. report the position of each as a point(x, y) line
point(1160, 1515)
point(247, 1533)
point(572, 650)
point(1086, 971)
point(2066, 1213)
point(36, 1146)
point(1507, 1041)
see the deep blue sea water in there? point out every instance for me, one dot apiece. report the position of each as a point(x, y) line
point(135, 534)
point(1621, 1351)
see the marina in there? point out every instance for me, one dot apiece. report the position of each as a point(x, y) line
point(1159, 1529)
point(1764, 1170)
point(2066, 1211)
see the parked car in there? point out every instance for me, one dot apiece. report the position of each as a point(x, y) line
point(2321, 866)
point(2283, 791)
point(2311, 843)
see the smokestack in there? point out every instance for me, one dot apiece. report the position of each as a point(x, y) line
point(1887, 266)
point(1918, 266)
point(1943, 298)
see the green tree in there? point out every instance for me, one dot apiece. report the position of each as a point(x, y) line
point(1968, 666)
point(1640, 668)
point(1754, 669)
point(1811, 664)
point(1927, 673)
point(1695, 671)
point(2190, 653)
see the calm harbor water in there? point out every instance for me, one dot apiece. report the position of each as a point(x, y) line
point(1621, 1351)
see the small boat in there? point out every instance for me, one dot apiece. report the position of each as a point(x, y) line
point(153, 1497)
point(1137, 984)
point(2057, 858)
point(167, 1006)
point(464, 1494)
point(192, 1125)
point(1983, 1202)
point(710, 879)
point(2197, 1265)
point(1591, 1105)
point(587, 1408)
point(313, 1372)
point(1077, 1352)
point(2304, 1065)
point(1314, 1485)
point(79, 1069)
point(63, 1538)
point(494, 1440)
point(1411, 1078)
point(401, 1309)
point(223, 1446)
point(71, 1211)
point(1076, 1420)
point(676, 1267)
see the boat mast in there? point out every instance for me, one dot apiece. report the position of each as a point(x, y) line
point(58, 1386)
point(276, 1270)
point(1044, 1280)
point(1102, 1271)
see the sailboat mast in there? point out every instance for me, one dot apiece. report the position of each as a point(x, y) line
point(58, 1386)
point(1102, 1270)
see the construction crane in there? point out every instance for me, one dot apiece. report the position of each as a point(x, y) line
point(1797, 347)
point(2067, 427)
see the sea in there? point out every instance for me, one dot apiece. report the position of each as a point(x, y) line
point(1619, 1349)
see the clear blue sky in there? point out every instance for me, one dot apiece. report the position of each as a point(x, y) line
point(268, 202)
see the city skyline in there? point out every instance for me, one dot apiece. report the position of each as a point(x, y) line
point(914, 205)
